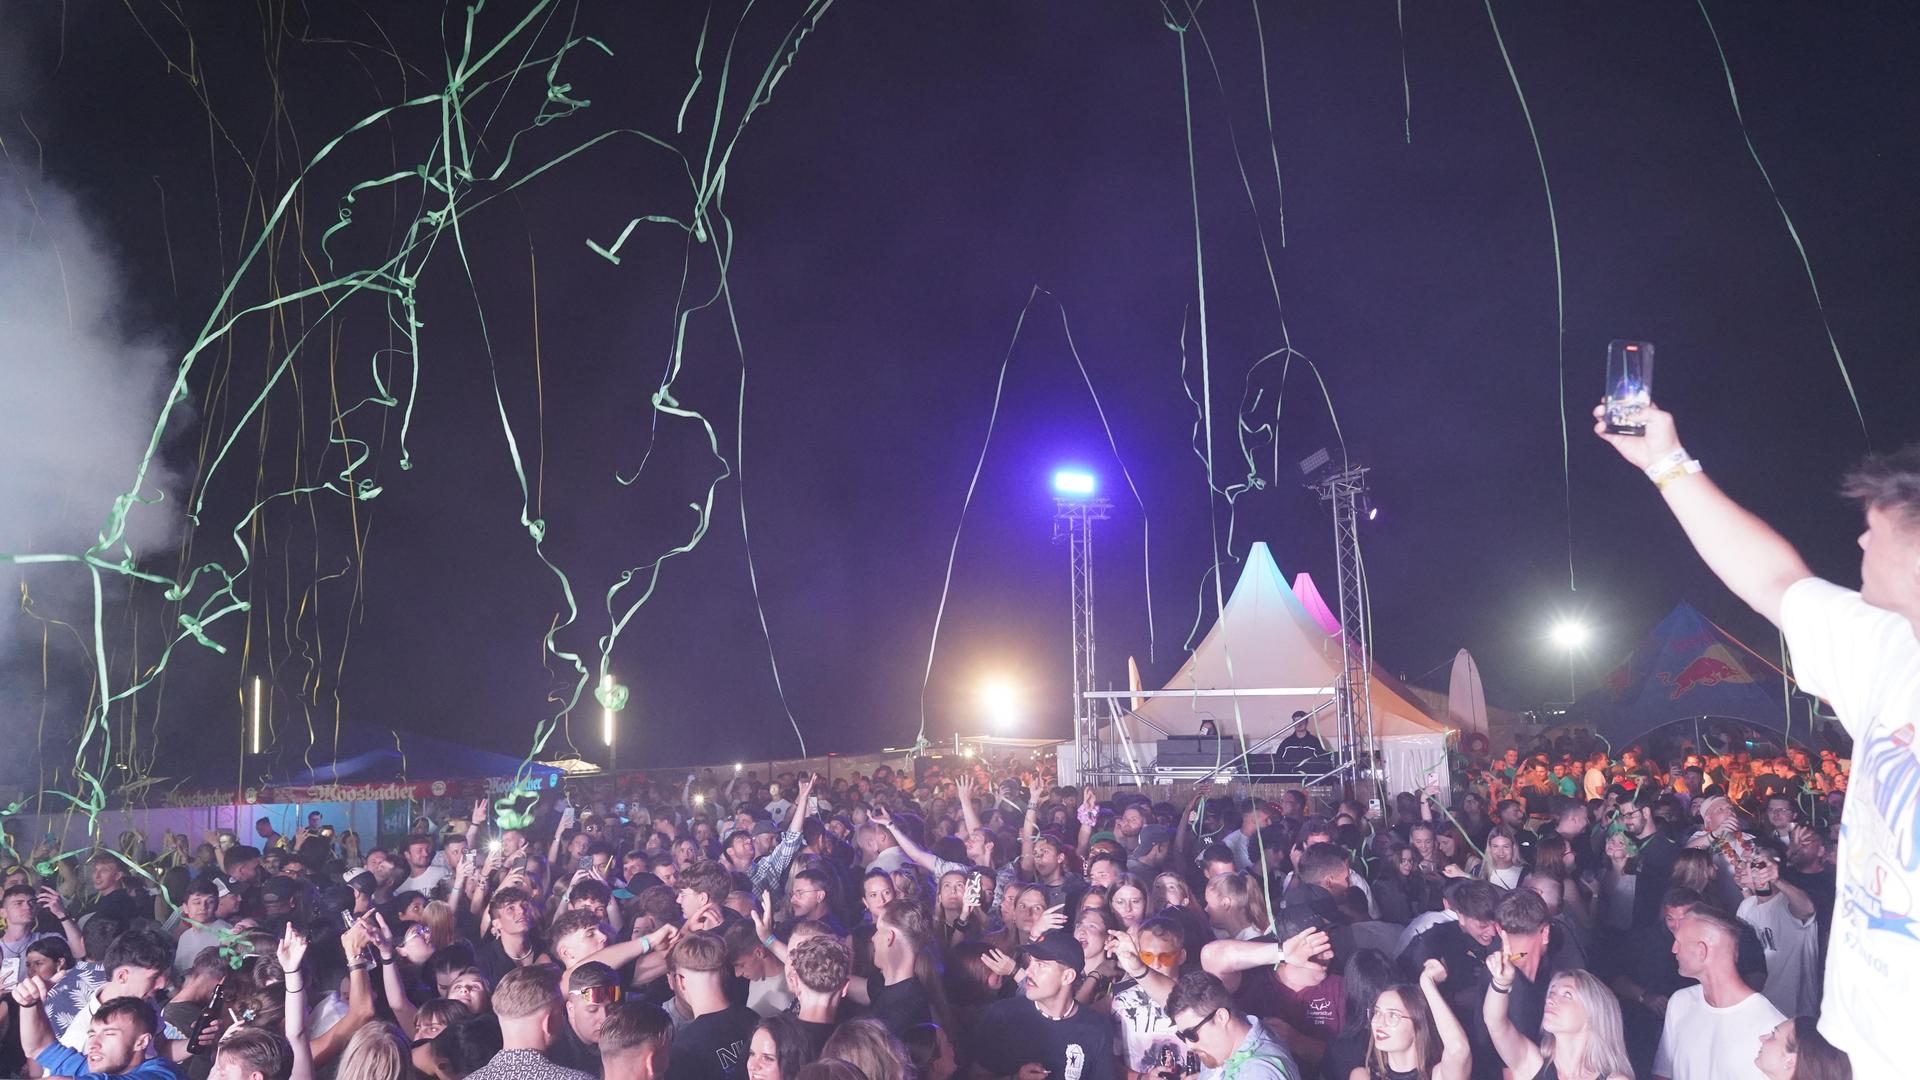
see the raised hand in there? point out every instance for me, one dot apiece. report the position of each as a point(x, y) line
point(479, 814)
point(30, 991)
point(1050, 920)
point(1303, 948)
point(1125, 950)
point(1500, 967)
point(1660, 440)
point(292, 950)
point(50, 898)
point(879, 815)
point(1433, 971)
point(998, 962)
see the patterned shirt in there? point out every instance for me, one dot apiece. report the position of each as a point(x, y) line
point(525, 1065)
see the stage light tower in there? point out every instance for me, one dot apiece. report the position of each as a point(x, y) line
point(1076, 506)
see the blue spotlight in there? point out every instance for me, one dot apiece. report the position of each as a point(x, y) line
point(1074, 483)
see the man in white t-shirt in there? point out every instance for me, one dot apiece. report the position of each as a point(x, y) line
point(1861, 652)
point(1712, 1029)
point(1783, 915)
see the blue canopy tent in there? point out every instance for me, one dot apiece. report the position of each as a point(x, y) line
point(1687, 668)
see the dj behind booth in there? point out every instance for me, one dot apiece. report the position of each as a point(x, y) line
point(1188, 756)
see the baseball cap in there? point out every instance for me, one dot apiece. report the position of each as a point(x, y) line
point(1059, 947)
point(277, 889)
point(361, 879)
point(1155, 835)
point(765, 828)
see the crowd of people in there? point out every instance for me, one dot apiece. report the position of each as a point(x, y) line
point(1566, 915)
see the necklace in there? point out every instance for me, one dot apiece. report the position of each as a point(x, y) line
point(509, 954)
point(1072, 1007)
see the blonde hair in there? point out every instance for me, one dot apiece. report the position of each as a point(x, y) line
point(1239, 889)
point(527, 991)
point(1606, 1050)
point(378, 1051)
point(867, 1045)
point(1157, 900)
point(437, 917)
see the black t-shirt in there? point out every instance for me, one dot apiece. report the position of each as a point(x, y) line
point(817, 1035)
point(491, 957)
point(120, 904)
point(714, 1046)
point(1080, 1045)
point(570, 1051)
point(901, 1005)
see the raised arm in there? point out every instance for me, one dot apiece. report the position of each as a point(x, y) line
point(934, 865)
point(56, 906)
point(1295, 960)
point(963, 786)
point(35, 1033)
point(292, 953)
point(381, 935)
point(1456, 1057)
point(1518, 1051)
point(1745, 553)
point(1028, 827)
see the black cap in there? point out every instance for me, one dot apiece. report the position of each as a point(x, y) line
point(1058, 946)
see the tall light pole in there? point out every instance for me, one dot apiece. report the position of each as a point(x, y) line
point(1571, 636)
point(1076, 506)
point(611, 697)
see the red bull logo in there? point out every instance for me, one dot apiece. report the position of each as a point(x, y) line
point(1711, 668)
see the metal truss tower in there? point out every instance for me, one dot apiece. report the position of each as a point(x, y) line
point(1073, 522)
point(1344, 491)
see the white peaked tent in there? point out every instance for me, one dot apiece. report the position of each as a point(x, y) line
point(1267, 657)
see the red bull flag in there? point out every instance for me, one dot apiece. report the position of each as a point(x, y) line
point(1685, 668)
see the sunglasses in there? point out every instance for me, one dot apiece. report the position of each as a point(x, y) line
point(599, 995)
point(1192, 1034)
point(1152, 958)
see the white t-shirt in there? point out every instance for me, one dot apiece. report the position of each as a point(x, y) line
point(1700, 1042)
point(1144, 1030)
point(1793, 954)
point(424, 881)
point(1866, 662)
point(1596, 783)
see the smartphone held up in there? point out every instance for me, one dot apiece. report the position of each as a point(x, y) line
point(1629, 386)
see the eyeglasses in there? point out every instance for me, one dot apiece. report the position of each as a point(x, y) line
point(1152, 958)
point(1390, 1017)
point(1192, 1034)
point(599, 995)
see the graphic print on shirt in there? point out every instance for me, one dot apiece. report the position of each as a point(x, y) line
point(1877, 886)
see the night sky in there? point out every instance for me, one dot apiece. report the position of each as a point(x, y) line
point(918, 172)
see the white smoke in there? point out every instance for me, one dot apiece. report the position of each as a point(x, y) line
point(79, 388)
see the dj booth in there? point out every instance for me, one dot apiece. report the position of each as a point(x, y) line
point(1190, 757)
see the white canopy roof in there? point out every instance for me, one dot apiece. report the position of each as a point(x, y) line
point(1264, 659)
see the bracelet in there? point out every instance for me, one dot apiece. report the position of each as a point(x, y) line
point(1673, 459)
point(357, 965)
point(1498, 989)
point(771, 942)
point(1676, 472)
point(292, 989)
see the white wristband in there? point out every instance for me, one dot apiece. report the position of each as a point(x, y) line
point(1673, 460)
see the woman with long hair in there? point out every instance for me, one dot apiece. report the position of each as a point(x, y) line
point(1581, 1037)
point(777, 1050)
point(1415, 1034)
point(1237, 907)
point(377, 1051)
point(930, 1051)
point(1097, 969)
point(1453, 851)
point(1502, 866)
point(1693, 868)
point(1795, 1050)
point(1169, 890)
point(1368, 973)
point(1128, 901)
point(867, 1045)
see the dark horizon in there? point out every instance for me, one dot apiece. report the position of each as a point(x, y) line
point(913, 177)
